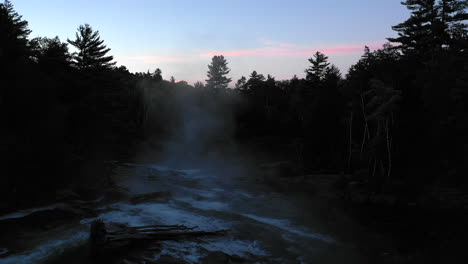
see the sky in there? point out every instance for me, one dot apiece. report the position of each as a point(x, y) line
point(180, 37)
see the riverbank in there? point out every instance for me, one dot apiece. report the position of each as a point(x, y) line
point(385, 229)
point(276, 215)
point(265, 226)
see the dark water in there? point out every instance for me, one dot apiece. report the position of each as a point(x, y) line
point(264, 225)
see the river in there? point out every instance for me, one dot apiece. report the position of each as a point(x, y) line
point(265, 226)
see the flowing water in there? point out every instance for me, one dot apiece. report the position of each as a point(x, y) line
point(264, 225)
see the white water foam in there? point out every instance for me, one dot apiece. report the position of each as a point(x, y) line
point(192, 252)
point(25, 212)
point(237, 247)
point(47, 249)
point(163, 168)
point(187, 251)
point(165, 214)
point(206, 205)
point(287, 226)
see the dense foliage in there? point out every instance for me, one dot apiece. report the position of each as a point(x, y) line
point(398, 118)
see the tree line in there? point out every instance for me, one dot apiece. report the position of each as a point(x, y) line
point(396, 120)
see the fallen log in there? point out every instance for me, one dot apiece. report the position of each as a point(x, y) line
point(115, 240)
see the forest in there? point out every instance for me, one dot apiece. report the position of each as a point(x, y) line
point(396, 122)
point(398, 117)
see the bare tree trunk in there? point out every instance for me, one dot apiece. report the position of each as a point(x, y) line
point(363, 142)
point(366, 128)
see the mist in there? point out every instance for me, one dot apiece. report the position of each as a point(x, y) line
point(339, 137)
point(187, 126)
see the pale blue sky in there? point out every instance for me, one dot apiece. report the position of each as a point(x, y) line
point(275, 37)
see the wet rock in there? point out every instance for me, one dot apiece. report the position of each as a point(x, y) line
point(138, 243)
point(237, 259)
point(67, 195)
point(357, 193)
point(168, 259)
point(3, 251)
point(80, 208)
point(126, 261)
point(279, 169)
point(114, 194)
point(218, 257)
point(215, 257)
point(97, 236)
point(44, 219)
point(88, 193)
point(161, 197)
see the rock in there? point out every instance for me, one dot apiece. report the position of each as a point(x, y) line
point(357, 193)
point(279, 169)
point(67, 195)
point(97, 236)
point(161, 197)
point(237, 259)
point(126, 261)
point(88, 193)
point(3, 251)
point(218, 257)
point(114, 194)
point(44, 219)
point(168, 259)
point(80, 210)
point(215, 257)
point(133, 243)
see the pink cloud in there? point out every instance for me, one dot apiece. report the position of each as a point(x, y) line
point(295, 50)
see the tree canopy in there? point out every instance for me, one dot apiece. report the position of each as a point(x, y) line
point(91, 49)
point(14, 33)
point(396, 121)
point(316, 72)
point(217, 72)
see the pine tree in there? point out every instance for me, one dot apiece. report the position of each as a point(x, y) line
point(453, 16)
point(241, 84)
point(14, 33)
point(255, 77)
point(270, 79)
point(198, 85)
point(317, 71)
point(418, 34)
point(332, 76)
point(255, 81)
point(217, 72)
point(91, 50)
point(50, 52)
point(157, 75)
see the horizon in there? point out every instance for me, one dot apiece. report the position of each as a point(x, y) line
point(194, 34)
